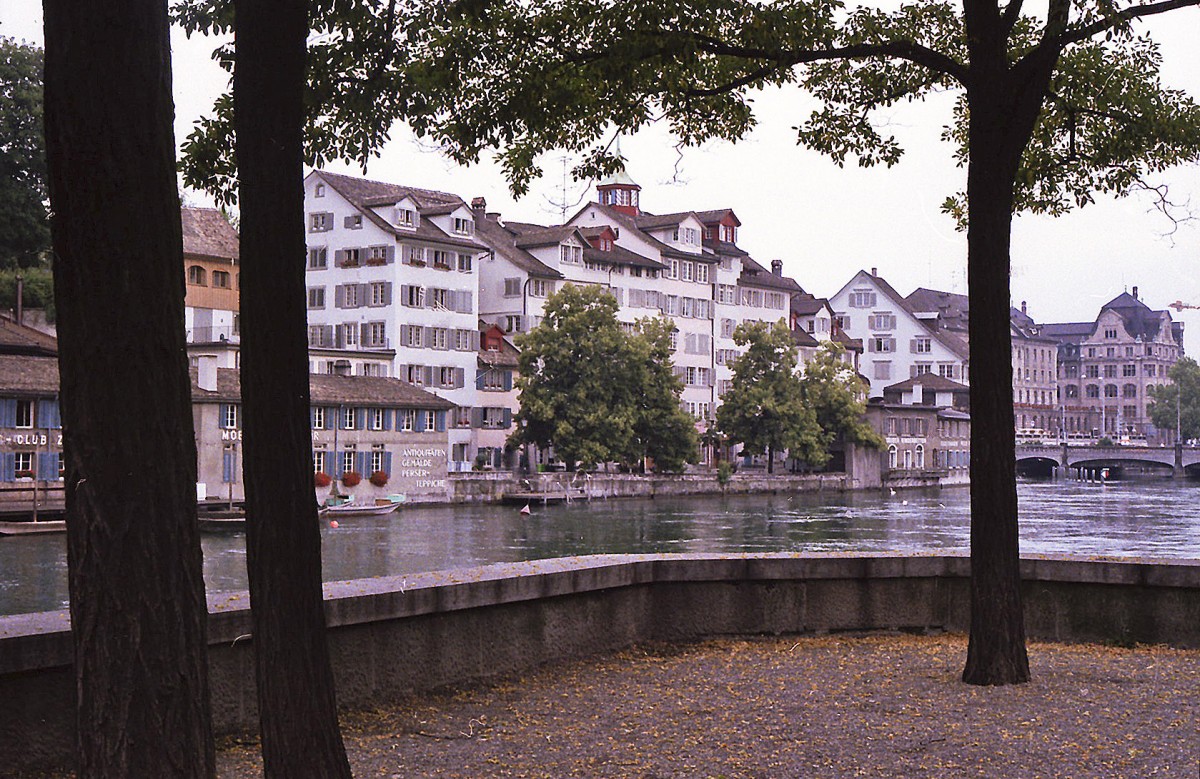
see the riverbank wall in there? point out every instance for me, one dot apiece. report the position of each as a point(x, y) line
point(397, 636)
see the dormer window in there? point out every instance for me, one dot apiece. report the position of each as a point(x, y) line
point(571, 254)
point(729, 233)
point(464, 226)
point(406, 218)
point(606, 245)
point(688, 235)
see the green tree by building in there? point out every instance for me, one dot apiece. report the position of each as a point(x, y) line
point(764, 409)
point(24, 222)
point(832, 389)
point(1176, 406)
point(596, 393)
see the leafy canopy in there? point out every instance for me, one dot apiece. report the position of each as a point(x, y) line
point(24, 221)
point(596, 393)
point(1185, 389)
point(764, 409)
point(523, 78)
point(834, 391)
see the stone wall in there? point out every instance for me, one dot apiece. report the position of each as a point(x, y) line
point(396, 636)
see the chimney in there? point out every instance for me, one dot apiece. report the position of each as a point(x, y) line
point(777, 267)
point(1023, 311)
point(874, 271)
point(479, 206)
point(206, 372)
point(1135, 297)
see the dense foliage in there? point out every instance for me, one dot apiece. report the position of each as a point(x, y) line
point(764, 409)
point(597, 393)
point(1178, 404)
point(832, 389)
point(24, 223)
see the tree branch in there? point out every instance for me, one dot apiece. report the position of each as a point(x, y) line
point(1012, 12)
point(1134, 12)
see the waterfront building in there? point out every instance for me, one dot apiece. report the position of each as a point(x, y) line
point(372, 436)
point(926, 424)
point(497, 400)
point(1107, 367)
point(900, 342)
point(30, 424)
point(211, 271)
point(1036, 412)
point(393, 268)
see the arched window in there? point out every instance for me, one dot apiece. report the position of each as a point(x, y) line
point(1093, 390)
point(892, 456)
point(920, 456)
point(1129, 391)
point(1110, 390)
point(908, 460)
point(196, 275)
point(220, 278)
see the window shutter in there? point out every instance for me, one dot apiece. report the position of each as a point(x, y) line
point(712, 378)
point(508, 380)
point(428, 375)
point(387, 463)
point(404, 335)
point(327, 334)
point(389, 254)
point(460, 378)
point(339, 257)
point(439, 421)
point(339, 296)
point(912, 371)
point(222, 414)
point(360, 419)
point(47, 466)
point(387, 419)
point(507, 418)
point(228, 466)
point(8, 465)
point(312, 418)
point(362, 462)
point(477, 417)
point(364, 334)
point(479, 378)
point(466, 299)
point(419, 425)
point(8, 413)
point(475, 340)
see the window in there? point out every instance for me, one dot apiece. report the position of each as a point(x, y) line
point(885, 321)
point(1110, 332)
point(348, 459)
point(540, 288)
point(881, 343)
point(1110, 371)
point(197, 275)
point(229, 416)
point(377, 255)
point(1093, 371)
point(862, 298)
point(727, 328)
point(320, 191)
point(439, 338)
point(729, 233)
point(774, 300)
point(347, 419)
point(892, 456)
point(946, 370)
point(512, 287)
point(464, 226)
point(220, 279)
point(318, 258)
point(462, 340)
point(441, 259)
point(319, 460)
point(922, 368)
point(702, 273)
point(513, 323)
point(406, 217)
point(378, 458)
point(570, 254)
point(375, 334)
point(673, 269)
point(412, 255)
point(408, 420)
point(1072, 391)
point(321, 222)
point(1110, 390)
point(318, 419)
point(24, 417)
point(726, 293)
point(316, 297)
point(350, 296)
point(920, 456)
point(448, 377)
point(319, 335)
point(353, 222)
point(376, 421)
point(687, 271)
point(1092, 390)
point(464, 263)
point(1129, 370)
point(412, 296)
point(1129, 391)
point(922, 345)
point(379, 294)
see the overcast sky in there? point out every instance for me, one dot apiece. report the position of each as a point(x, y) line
point(825, 222)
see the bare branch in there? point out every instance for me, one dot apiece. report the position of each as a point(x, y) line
point(1116, 20)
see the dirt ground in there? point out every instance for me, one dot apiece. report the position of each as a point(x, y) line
point(832, 706)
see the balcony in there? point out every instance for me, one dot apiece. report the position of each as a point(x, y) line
point(209, 335)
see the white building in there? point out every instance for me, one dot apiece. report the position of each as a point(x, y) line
point(394, 268)
point(898, 343)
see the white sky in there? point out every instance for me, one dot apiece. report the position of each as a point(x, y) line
point(824, 222)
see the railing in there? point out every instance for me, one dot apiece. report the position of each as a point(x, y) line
point(204, 335)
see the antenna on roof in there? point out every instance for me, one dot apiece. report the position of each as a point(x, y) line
point(564, 203)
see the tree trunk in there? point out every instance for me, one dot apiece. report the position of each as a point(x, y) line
point(297, 704)
point(1003, 111)
point(770, 458)
point(138, 612)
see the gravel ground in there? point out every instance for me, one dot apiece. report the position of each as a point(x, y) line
point(831, 706)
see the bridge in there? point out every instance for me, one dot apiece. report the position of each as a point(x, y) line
point(1180, 460)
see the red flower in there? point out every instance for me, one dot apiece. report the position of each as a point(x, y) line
point(379, 478)
point(351, 478)
point(322, 479)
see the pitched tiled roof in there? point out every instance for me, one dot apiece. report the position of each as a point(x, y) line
point(329, 389)
point(951, 341)
point(507, 356)
point(655, 221)
point(802, 338)
point(1140, 319)
point(502, 240)
point(206, 233)
point(546, 236)
point(1068, 332)
point(757, 275)
point(621, 256)
point(365, 194)
point(714, 216)
point(629, 223)
point(19, 339)
point(928, 381)
point(28, 375)
point(804, 304)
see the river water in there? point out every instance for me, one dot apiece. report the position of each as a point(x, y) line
point(1155, 518)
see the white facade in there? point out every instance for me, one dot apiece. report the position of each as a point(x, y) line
point(896, 344)
point(391, 270)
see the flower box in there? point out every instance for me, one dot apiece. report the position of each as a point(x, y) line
point(322, 479)
point(379, 478)
point(351, 478)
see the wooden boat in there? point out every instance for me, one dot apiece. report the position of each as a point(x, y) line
point(361, 509)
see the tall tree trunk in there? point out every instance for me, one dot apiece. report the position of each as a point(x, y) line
point(297, 704)
point(138, 611)
point(770, 458)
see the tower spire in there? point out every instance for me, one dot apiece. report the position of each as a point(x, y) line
point(619, 190)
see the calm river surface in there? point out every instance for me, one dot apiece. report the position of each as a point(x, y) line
point(1159, 518)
